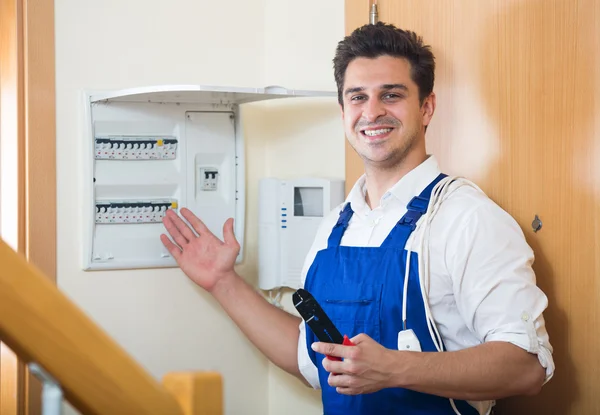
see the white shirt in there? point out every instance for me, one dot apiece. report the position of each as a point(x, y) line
point(482, 287)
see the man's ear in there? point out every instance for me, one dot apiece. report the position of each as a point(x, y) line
point(428, 108)
point(342, 110)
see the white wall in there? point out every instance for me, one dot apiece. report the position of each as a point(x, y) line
point(158, 316)
point(300, 41)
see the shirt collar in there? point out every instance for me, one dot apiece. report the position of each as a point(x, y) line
point(356, 197)
point(409, 186)
point(415, 181)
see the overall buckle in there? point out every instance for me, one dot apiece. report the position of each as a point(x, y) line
point(418, 204)
point(344, 215)
point(416, 208)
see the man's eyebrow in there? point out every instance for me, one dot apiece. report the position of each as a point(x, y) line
point(353, 90)
point(395, 86)
point(386, 87)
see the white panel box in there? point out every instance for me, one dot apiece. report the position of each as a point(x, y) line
point(289, 215)
point(147, 150)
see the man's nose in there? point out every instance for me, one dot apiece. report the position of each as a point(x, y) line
point(373, 109)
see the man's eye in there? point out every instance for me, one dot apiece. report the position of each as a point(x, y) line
point(357, 98)
point(391, 96)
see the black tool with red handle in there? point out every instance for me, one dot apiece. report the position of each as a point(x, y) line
point(320, 324)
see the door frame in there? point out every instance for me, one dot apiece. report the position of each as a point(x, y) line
point(28, 136)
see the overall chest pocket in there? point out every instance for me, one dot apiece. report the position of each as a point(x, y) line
point(355, 310)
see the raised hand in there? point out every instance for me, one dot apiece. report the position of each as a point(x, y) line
point(203, 257)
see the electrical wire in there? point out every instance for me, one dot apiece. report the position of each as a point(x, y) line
point(441, 192)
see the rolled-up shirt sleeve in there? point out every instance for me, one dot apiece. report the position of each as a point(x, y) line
point(494, 283)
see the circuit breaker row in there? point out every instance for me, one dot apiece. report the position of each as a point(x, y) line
point(133, 211)
point(135, 148)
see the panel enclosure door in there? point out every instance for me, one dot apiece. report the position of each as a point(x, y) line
point(518, 112)
point(211, 159)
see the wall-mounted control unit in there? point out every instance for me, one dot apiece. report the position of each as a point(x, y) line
point(148, 150)
point(289, 215)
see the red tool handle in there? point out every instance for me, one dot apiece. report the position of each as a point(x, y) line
point(346, 342)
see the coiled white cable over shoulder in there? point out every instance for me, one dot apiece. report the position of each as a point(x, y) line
point(441, 192)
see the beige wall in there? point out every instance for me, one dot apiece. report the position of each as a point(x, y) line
point(161, 318)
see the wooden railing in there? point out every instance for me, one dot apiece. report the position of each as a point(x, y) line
point(40, 324)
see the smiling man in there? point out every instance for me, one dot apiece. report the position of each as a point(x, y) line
point(442, 305)
point(384, 122)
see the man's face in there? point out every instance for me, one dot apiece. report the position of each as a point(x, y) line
point(382, 116)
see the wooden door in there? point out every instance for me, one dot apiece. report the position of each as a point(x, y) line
point(27, 164)
point(518, 93)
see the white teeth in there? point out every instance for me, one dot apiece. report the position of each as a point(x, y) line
point(372, 133)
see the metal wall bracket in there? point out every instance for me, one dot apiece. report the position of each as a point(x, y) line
point(536, 225)
point(373, 14)
point(52, 395)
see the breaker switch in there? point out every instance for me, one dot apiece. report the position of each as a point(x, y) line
point(135, 148)
point(210, 179)
point(138, 211)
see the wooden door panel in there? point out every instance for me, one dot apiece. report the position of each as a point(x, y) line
point(356, 14)
point(518, 93)
point(28, 141)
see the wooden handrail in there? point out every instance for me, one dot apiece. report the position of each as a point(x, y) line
point(40, 324)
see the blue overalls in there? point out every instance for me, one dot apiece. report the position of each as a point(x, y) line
point(360, 288)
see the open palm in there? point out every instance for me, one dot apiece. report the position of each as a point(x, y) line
point(203, 257)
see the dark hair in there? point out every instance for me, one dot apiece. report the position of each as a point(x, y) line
point(374, 40)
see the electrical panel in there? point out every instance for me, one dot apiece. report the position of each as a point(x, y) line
point(148, 150)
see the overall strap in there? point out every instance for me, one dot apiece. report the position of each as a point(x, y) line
point(335, 238)
point(407, 224)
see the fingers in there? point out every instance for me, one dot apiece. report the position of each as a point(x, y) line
point(331, 349)
point(328, 349)
point(333, 366)
point(346, 391)
point(228, 234)
point(344, 384)
point(173, 249)
point(182, 226)
point(339, 381)
point(196, 223)
point(360, 338)
point(170, 220)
